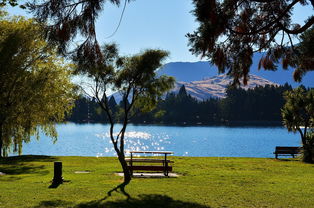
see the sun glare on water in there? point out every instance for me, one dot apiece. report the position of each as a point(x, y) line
point(136, 141)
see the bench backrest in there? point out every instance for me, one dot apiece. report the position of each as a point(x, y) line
point(292, 150)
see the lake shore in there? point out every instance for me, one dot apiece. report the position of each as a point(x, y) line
point(211, 124)
point(196, 141)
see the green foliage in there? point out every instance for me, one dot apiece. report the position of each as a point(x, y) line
point(6, 2)
point(36, 88)
point(230, 32)
point(305, 58)
point(298, 110)
point(133, 77)
point(298, 116)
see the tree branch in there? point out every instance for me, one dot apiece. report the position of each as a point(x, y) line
point(268, 26)
point(307, 25)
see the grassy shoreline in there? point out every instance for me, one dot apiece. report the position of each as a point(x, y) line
point(204, 182)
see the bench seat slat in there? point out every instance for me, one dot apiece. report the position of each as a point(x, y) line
point(152, 168)
point(287, 152)
point(147, 160)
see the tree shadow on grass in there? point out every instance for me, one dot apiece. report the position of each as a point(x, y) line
point(144, 201)
point(24, 169)
point(27, 158)
point(54, 203)
point(18, 165)
point(119, 188)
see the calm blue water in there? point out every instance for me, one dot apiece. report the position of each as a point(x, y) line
point(93, 140)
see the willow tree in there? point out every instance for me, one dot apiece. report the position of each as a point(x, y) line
point(298, 116)
point(36, 91)
point(135, 79)
point(230, 31)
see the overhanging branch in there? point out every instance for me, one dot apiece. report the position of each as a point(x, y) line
point(269, 25)
point(302, 29)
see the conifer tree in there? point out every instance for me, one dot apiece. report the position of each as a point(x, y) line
point(230, 31)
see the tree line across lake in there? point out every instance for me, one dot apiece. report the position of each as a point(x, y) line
point(258, 106)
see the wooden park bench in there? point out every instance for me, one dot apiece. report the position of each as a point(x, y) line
point(283, 151)
point(149, 163)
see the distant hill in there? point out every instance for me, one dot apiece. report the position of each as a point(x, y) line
point(195, 71)
point(211, 87)
point(216, 86)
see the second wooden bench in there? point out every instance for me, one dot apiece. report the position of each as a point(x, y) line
point(287, 151)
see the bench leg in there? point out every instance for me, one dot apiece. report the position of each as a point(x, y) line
point(131, 163)
point(166, 169)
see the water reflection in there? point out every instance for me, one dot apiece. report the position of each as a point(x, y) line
point(137, 141)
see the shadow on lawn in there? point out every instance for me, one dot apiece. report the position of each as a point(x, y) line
point(22, 165)
point(18, 169)
point(144, 201)
point(27, 158)
point(55, 203)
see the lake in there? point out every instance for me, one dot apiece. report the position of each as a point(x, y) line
point(200, 141)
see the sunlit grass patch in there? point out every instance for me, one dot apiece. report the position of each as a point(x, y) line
point(203, 182)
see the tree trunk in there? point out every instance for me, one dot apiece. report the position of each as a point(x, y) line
point(124, 165)
point(1, 142)
point(127, 176)
point(307, 153)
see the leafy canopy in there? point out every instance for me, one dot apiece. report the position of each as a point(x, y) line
point(36, 91)
point(133, 77)
point(230, 31)
point(298, 110)
point(298, 116)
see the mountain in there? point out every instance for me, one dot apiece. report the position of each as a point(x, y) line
point(202, 80)
point(193, 71)
point(211, 87)
point(215, 87)
point(188, 71)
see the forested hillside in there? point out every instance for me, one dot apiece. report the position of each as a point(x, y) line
point(258, 106)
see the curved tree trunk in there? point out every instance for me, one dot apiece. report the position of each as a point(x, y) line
point(127, 176)
point(126, 171)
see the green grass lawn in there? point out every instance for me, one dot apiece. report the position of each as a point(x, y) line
point(204, 182)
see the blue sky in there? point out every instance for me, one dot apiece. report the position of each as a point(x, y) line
point(151, 24)
point(160, 24)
